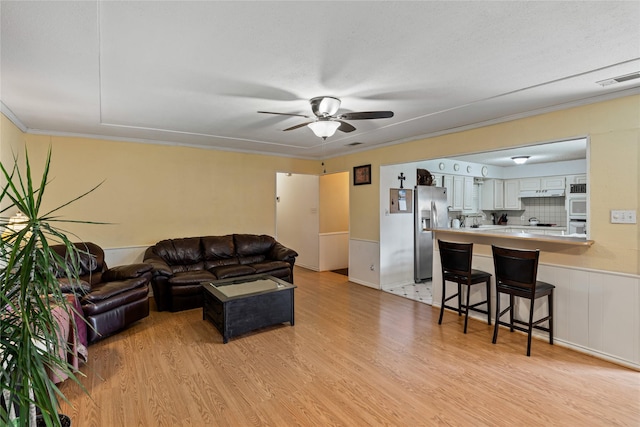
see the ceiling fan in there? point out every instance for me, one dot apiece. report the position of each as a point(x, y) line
point(326, 122)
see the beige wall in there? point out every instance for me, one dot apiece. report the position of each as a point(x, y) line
point(153, 191)
point(614, 131)
point(334, 202)
point(11, 145)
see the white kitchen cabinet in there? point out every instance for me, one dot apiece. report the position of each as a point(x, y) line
point(552, 183)
point(458, 193)
point(577, 179)
point(529, 184)
point(467, 199)
point(492, 195)
point(447, 182)
point(556, 232)
point(512, 200)
point(527, 230)
point(546, 183)
point(498, 194)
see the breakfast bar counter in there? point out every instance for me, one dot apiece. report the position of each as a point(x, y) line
point(499, 232)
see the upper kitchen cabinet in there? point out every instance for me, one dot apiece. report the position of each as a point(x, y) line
point(553, 182)
point(512, 199)
point(492, 195)
point(577, 179)
point(460, 193)
point(498, 194)
point(447, 182)
point(468, 204)
point(545, 183)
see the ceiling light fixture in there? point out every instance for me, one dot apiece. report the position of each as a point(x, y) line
point(324, 128)
point(327, 105)
point(520, 160)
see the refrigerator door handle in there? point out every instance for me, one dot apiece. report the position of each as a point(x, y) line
point(434, 214)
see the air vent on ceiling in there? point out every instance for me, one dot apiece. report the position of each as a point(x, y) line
point(619, 79)
point(353, 144)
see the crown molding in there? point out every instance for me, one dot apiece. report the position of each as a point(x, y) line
point(12, 117)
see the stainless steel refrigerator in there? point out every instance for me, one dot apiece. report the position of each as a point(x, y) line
point(430, 211)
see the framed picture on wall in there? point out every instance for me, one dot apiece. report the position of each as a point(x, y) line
point(362, 175)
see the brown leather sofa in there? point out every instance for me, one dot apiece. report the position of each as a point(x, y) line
point(181, 265)
point(111, 298)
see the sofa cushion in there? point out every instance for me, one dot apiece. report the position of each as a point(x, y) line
point(218, 247)
point(268, 266)
point(250, 244)
point(185, 251)
point(233, 271)
point(89, 260)
point(191, 278)
point(254, 259)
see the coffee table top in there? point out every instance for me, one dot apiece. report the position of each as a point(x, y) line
point(243, 286)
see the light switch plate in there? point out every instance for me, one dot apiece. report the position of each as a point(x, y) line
point(623, 216)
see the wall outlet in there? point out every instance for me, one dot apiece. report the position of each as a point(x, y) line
point(623, 216)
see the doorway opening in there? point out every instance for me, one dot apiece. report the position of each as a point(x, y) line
point(312, 217)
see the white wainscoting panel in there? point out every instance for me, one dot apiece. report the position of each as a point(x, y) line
point(334, 250)
point(595, 312)
point(364, 262)
point(126, 255)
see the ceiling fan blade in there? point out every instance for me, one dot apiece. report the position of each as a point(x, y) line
point(345, 127)
point(297, 126)
point(365, 115)
point(284, 114)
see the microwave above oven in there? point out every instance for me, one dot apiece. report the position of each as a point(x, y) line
point(577, 207)
point(578, 189)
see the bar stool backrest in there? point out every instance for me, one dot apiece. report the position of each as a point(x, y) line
point(516, 269)
point(456, 258)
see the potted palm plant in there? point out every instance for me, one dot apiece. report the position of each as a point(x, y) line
point(30, 348)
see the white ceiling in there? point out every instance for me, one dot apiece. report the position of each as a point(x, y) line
point(196, 73)
point(559, 151)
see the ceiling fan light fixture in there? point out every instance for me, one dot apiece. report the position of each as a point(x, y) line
point(328, 105)
point(324, 128)
point(520, 160)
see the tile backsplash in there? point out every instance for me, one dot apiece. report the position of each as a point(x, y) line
point(548, 210)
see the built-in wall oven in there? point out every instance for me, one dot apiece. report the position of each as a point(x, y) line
point(577, 201)
point(578, 227)
point(577, 209)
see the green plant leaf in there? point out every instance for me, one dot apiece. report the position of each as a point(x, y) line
point(31, 296)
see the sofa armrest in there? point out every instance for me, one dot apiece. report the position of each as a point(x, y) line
point(124, 272)
point(280, 252)
point(74, 286)
point(159, 266)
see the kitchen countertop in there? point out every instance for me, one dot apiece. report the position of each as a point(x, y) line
point(532, 227)
point(498, 231)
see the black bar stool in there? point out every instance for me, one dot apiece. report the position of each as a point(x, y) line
point(516, 275)
point(455, 259)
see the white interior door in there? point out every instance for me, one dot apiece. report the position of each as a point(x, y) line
point(297, 222)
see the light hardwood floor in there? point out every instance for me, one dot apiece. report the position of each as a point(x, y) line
point(355, 357)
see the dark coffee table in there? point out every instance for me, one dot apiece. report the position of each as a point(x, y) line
point(243, 304)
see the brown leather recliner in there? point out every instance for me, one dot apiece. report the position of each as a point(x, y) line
point(181, 265)
point(115, 297)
